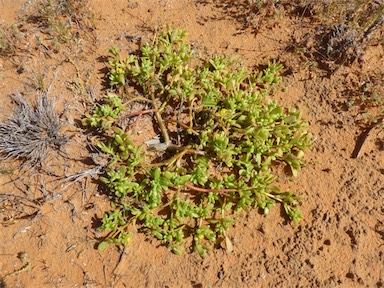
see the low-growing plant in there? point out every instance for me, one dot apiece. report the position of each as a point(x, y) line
point(12, 40)
point(372, 103)
point(222, 137)
point(369, 99)
point(58, 16)
point(59, 21)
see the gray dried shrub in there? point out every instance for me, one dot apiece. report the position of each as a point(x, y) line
point(31, 132)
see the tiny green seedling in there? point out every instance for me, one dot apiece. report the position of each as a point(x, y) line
point(220, 136)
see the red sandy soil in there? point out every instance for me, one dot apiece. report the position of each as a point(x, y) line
point(338, 244)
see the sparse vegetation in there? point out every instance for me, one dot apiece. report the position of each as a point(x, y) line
point(369, 99)
point(61, 19)
point(343, 30)
point(12, 40)
point(44, 26)
point(220, 136)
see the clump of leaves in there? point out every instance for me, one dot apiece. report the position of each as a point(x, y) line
point(372, 102)
point(30, 133)
point(221, 136)
point(369, 100)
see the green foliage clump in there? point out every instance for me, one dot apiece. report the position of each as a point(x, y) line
point(221, 137)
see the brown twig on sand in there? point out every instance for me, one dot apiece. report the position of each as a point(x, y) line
point(363, 136)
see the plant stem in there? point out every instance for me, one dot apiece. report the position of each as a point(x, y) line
point(137, 99)
point(178, 156)
point(185, 126)
point(159, 119)
point(204, 190)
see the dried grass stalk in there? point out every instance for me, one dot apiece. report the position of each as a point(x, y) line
point(30, 133)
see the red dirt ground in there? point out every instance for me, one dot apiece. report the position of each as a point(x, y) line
point(338, 244)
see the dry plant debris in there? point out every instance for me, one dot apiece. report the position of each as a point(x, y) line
point(31, 132)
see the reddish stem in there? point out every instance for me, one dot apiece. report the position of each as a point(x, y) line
point(204, 190)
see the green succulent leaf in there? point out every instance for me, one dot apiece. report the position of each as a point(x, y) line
point(223, 138)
